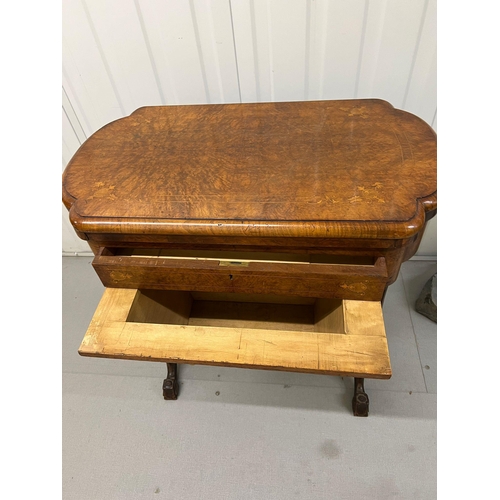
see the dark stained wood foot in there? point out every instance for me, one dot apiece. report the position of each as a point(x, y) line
point(171, 384)
point(360, 401)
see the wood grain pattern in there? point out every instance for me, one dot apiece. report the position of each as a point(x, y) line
point(166, 307)
point(329, 316)
point(335, 169)
point(264, 316)
point(361, 353)
point(361, 282)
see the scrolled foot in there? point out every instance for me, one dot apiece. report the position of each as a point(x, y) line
point(171, 384)
point(360, 401)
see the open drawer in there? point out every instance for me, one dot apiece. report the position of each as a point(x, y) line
point(327, 276)
point(328, 336)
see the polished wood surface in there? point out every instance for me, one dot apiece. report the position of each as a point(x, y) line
point(343, 280)
point(252, 235)
point(169, 326)
point(317, 169)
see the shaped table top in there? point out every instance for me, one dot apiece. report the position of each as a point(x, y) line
point(352, 168)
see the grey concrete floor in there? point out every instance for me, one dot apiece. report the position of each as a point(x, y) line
point(248, 434)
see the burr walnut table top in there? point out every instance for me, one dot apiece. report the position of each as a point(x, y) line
point(335, 169)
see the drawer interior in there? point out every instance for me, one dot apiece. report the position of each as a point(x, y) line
point(235, 257)
point(327, 336)
point(238, 311)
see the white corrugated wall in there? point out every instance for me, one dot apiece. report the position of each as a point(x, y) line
point(119, 55)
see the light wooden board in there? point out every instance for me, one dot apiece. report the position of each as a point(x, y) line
point(361, 352)
point(161, 306)
point(329, 316)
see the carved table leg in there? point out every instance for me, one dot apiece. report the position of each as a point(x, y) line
point(360, 401)
point(171, 384)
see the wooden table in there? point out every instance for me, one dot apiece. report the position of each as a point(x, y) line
point(254, 235)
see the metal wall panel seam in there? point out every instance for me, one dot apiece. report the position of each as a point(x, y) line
point(216, 55)
point(307, 69)
point(74, 101)
point(361, 48)
point(415, 52)
point(72, 128)
point(73, 117)
point(150, 53)
point(234, 49)
point(200, 52)
point(103, 57)
point(255, 50)
point(271, 61)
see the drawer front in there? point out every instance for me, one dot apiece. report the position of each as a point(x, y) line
point(305, 279)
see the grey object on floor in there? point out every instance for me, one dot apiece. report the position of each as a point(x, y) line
point(427, 301)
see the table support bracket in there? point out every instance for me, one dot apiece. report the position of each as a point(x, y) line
point(360, 401)
point(171, 383)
